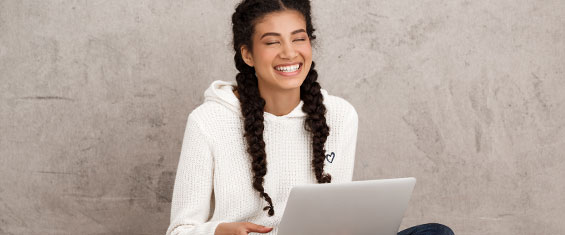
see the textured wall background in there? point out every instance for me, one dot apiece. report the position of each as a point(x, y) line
point(467, 96)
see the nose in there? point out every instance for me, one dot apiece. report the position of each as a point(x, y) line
point(288, 51)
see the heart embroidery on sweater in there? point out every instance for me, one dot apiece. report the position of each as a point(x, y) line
point(330, 157)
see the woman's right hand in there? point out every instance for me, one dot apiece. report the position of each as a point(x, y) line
point(240, 228)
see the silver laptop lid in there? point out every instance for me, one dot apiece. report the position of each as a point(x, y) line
point(372, 207)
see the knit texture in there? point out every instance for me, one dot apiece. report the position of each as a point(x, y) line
point(214, 178)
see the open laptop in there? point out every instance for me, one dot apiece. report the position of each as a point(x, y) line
point(371, 207)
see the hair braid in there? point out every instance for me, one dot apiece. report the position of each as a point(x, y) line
point(316, 122)
point(252, 109)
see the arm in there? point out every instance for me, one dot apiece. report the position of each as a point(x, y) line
point(190, 206)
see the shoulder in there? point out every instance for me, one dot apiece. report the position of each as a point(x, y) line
point(210, 114)
point(340, 107)
point(205, 109)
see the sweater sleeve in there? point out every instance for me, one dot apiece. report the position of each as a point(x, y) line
point(350, 140)
point(192, 193)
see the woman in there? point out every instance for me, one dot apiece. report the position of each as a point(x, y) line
point(252, 140)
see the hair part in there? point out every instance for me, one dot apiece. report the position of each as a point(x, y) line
point(244, 19)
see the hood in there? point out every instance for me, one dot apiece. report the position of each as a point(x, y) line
point(222, 92)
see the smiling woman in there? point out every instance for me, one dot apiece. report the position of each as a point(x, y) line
point(275, 110)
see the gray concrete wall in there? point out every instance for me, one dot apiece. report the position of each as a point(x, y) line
point(467, 96)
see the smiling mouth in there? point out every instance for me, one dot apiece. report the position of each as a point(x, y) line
point(288, 68)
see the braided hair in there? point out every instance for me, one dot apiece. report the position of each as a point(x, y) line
point(252, 104)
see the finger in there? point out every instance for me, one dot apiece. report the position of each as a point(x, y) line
point(251, 227)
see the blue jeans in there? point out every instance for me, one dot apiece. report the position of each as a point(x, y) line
point(427, 229)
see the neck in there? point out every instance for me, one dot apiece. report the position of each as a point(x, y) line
point(279, 102)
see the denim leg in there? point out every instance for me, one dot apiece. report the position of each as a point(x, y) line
point(427, 229)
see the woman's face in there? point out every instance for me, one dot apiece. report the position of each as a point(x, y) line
point(282, 54)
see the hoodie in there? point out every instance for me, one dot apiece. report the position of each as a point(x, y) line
point(213, 182)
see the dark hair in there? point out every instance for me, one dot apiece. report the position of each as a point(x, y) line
point(252, 104)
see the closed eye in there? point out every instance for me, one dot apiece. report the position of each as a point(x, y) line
point(271, 43)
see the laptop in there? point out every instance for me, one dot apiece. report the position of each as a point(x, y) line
point(371, 207)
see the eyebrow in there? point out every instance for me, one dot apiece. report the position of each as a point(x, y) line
point(278, 34)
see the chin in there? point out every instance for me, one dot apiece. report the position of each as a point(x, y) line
point(292, 83)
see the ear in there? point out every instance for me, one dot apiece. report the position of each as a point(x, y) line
point(246, 55)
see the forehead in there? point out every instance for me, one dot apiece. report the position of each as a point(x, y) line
point(283, 22)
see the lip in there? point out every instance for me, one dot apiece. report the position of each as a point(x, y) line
point(287, 64)
point(285, 74)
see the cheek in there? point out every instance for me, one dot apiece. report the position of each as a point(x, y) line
point(266, 57)
point(305, 51)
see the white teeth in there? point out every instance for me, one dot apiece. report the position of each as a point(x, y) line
point(287, 69)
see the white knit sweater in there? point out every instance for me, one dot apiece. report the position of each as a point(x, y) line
point(214, 177)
